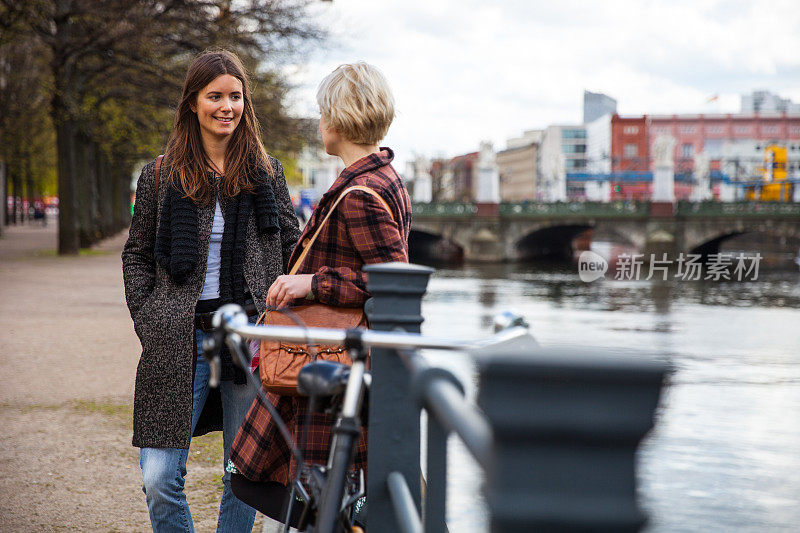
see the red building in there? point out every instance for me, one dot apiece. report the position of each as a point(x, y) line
point(732, 142)
point(463, 168)
point(726, 137)
point(629, 144)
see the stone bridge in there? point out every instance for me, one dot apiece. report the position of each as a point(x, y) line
point(512, 232)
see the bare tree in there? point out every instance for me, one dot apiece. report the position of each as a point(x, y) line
point(115, 70)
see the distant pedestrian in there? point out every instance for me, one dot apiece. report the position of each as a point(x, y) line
point(216, 226)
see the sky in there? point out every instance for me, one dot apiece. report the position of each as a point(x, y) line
point(463, 71)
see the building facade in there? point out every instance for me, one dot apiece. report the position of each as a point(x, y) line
point(767, 102)
point(734, 143)
point(461, 177)
point(518, 167)
point(598, 145)
point(595, 105)
point(629, 144)
point(319, 170)
point(563, 151)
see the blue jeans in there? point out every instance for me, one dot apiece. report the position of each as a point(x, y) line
point(164, 469)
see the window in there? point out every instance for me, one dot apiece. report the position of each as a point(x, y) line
point(687, 150)
point(573, 148)
point(573, 134)
point(794, 130)
point(741, 130)
point(630, 130)
point(771, 129)
point(630, 150)
point(714, 130)
point(660, 129)
point(687, 128)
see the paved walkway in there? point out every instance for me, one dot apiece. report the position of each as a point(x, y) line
point(67, 366)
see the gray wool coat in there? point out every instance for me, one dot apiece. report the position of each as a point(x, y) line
point(163, 312)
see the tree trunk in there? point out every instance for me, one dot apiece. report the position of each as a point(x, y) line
point(83, 192)
point(68, 243)
point(62, 103)
point(105, 188)
point(119, 174)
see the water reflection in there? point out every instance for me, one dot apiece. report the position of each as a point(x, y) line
point(724, 455)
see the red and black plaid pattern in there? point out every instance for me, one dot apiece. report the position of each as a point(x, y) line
point(359, 232)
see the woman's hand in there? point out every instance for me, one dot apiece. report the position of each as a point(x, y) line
point(287, 288)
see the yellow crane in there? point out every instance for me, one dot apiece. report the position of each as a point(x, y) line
point(774, 186)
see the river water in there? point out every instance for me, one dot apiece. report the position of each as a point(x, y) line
point(725, 451)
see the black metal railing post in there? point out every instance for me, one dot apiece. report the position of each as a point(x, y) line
point(566, 424)
point(396, 290)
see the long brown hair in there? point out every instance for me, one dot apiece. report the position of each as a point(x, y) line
point(188, 161)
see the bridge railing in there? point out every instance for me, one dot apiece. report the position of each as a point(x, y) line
point(451, 209)
point(554, 431)
point(615, 209)
point(592, 209)
point(737, 209)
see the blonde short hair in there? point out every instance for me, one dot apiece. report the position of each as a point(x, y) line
point(357, 101)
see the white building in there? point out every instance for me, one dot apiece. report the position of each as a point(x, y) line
point(563, 150)
point(319, 170)
point(767, 102)
point(598, 145)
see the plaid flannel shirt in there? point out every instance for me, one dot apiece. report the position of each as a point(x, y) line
point(359, 232)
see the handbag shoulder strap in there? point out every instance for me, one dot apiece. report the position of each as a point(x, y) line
point(158, 172)
point(308, 246)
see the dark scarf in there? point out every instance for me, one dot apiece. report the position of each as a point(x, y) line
point(177, 248)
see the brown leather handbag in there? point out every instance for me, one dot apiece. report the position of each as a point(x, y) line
point(280, 362)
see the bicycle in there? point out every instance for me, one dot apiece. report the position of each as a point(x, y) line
point(328, 495)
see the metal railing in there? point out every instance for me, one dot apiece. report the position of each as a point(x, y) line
point(445, 209)
point(614, 209)
point(554, 430)
point(738, 209)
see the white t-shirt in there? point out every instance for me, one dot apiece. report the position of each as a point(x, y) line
point(211, 286)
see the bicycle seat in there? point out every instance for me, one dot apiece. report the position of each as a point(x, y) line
point(322, 378)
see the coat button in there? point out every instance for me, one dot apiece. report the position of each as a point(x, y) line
point(305, 243)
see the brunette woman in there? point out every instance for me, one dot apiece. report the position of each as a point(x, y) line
point(213, 224)
point(356, 108)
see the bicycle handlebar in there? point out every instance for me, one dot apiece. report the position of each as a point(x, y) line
point(234, 320)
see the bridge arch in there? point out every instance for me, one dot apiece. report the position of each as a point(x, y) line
point(550, 242)
point(429, 247)
point(762, 236)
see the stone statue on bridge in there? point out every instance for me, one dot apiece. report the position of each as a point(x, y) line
point(664, 172)
point(423, 183)
point(664, 151)
point(701, 186)
point(555, 178)
point(488, 190)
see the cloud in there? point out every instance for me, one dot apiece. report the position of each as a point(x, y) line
point(468, 70)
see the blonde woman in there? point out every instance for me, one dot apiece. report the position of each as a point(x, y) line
point(356, 107)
